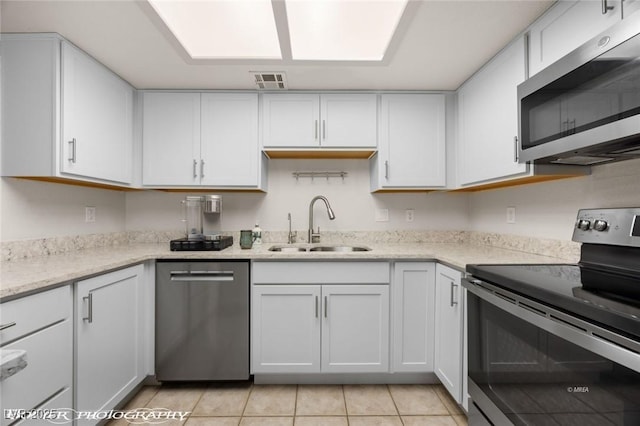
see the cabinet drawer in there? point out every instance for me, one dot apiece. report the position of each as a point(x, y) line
point(35, 312)
point(48, 370)
point(59, 404)
point(321, 273)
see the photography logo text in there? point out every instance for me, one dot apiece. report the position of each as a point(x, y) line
point(68, 415)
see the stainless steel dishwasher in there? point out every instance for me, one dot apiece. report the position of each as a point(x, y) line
point(202, 320)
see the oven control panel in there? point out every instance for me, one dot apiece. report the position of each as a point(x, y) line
point(608, 226)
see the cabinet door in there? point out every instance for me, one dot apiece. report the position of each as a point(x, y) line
point(349, 121)
point(566, 27)
point(286, 329)
point(449, 330)
point(355, 328)
point(229, 144)
point(488, 119)
point(108, 339)
point(97, 115)
point(414, 316)
point(171, 139)
point(412, 141)
point(290, 121)
point(43, 327)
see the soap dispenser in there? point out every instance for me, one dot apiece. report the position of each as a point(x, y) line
point(257, 234)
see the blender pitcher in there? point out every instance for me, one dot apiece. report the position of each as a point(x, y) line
point(193, 217)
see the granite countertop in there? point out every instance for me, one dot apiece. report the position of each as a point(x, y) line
point(22, 277)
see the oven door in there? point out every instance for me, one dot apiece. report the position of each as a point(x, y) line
point(532, 365)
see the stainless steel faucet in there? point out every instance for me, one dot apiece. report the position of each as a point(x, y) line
point(314, 237)
point(292, 235)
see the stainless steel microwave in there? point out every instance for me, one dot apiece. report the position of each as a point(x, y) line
point(584, 109)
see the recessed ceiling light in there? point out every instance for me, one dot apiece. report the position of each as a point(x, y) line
point(342, 30)
point(222, 29)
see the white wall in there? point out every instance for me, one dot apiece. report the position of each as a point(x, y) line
point(33, 209)
point(350, 199)
point(548, 210)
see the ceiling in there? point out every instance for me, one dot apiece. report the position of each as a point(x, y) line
point(440, 45)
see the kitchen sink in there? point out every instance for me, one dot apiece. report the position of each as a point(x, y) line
point(316, 248)
point(288, 249)
point(339, 248)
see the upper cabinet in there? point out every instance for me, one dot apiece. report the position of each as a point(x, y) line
point(488, 119)
point(412, 143)
point(65, 115)
point(568, 25)
point(308, 121)
point(201, 139)
point(97, 115)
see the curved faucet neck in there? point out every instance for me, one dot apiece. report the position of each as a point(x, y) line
point(332, 216)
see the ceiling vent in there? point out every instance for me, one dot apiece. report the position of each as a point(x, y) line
point(270, 80)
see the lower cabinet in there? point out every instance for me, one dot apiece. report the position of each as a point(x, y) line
point(449, 331)
point(109, 347)
point(42, 326)
point(302, 325)
point(413, 316)
point(321, 328)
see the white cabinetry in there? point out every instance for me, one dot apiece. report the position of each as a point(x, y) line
point(44, 329)
point(64, 115)
point(449, 342)
point(97, 115)
point(303, 121)
point(311, 317)
point(170, 138)
point(488, 120)
point(412, 143)
point(286, 328)
point(201, 139)
point(109, 350)
point(413, 316)
point(566, 26)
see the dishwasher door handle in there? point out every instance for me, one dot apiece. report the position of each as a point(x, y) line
point(212, 276)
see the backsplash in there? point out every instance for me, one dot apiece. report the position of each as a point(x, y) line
point(23, 249)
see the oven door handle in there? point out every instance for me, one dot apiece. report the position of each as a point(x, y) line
point(612, 346)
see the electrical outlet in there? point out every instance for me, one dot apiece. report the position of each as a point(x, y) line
point(511, 215)
point(408, 215)
point(382, 215)
point(89, 214)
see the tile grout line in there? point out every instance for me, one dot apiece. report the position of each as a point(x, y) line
point(246, 402)
point(344, 401)
point(394, 403)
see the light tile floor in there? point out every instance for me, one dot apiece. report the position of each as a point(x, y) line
point(246, 404)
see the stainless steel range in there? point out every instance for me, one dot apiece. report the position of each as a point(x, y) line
point(559, 344)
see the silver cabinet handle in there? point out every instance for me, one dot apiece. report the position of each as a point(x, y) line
point(572, 127)
point(89, 317)
point(7, 325)
point(324, 129)
point(454, 292)
point(325, 306)
point(515, 149)
point(72, 150)
point(195, 165)
point(606, 7)
point(316, 306)
point(201, 168)
point(316, 134)
point(386, 170)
